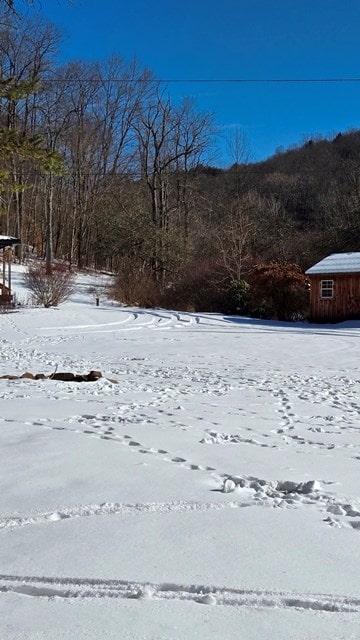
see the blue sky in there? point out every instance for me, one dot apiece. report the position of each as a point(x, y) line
point(226, 39)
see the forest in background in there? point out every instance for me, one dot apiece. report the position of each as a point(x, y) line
point(100, 169)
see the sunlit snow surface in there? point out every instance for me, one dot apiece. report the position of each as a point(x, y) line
point(212, 493)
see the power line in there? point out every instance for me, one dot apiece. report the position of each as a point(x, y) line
point(350, 80)
point(256, 80)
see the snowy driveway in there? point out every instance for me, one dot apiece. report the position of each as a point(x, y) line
point(212, 493)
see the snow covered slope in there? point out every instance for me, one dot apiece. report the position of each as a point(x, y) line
point(212, 493)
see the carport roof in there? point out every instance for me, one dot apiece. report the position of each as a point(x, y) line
point(8, 241)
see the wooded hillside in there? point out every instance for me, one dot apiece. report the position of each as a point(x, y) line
point(100, 169)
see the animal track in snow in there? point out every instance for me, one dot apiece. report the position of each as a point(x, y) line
point(104, 433)
point(290, 494)
point(263, 492)
point(213, 437)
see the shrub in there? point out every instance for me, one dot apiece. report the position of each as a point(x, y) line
point(201, 287)
point(49, 288)
point(135, 286)
point(280, 289)
point(238, 297)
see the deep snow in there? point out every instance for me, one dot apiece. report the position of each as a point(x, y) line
point(212, 493)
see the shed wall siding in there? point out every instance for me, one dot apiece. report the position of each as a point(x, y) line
point(345, 304)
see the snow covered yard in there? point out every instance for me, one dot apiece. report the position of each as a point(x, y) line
point(212, 493)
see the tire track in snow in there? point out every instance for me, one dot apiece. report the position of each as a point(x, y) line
point(73, 588)
point(133, 320)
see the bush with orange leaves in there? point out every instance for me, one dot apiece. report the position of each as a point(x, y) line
point(279, 290)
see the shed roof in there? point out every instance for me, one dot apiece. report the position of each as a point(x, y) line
point(8, 241)
point(337, 263)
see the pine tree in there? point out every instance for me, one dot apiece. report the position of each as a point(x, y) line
point(18, 147)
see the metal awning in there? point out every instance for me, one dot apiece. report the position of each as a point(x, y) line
point(8, 241)
point(6, 297)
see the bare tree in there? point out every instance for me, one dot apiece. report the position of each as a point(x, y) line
point(10, 5)
point(171, 141)
point(238, 146)
point(237, 233)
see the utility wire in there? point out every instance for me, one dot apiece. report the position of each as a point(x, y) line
point(257, 80)
point(67, 81)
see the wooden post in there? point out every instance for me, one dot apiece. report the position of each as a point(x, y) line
point(9, 256)
point(4, 268)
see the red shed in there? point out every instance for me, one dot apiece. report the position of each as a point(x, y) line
point(335, 288)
